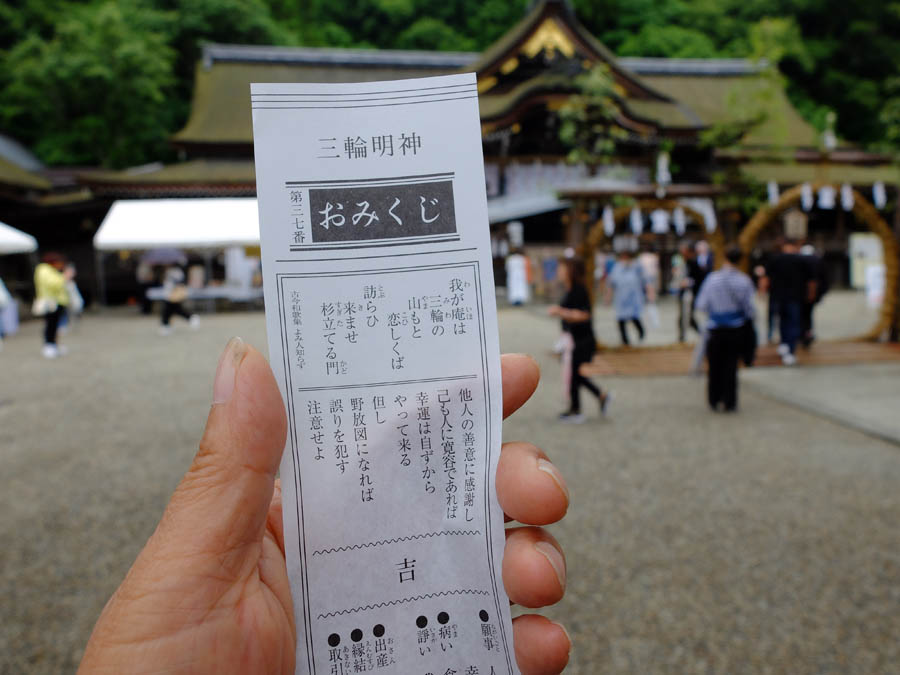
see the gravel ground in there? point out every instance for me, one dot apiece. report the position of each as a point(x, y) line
point(764, 542)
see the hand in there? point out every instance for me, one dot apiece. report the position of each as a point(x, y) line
point(209, 593)
point(554, 310)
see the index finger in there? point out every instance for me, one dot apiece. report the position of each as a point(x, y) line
point(521, 375)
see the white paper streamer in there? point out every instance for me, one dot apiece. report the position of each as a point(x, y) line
point(879, 196)
point(826, 197)
point(806, 197)
point(609, 222)
point(659, 221)
point(679, 221)
point(772, 189)
point(636, 220)
point(847, 200)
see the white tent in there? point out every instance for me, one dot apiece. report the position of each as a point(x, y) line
point(180, 223)
point(15, 241)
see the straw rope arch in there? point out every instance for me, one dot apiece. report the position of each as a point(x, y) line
point(865, 213)
point(597, 236)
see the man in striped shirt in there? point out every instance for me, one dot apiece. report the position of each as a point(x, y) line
point(727, 297)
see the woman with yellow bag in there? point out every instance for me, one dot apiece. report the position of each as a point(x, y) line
point(50, 300)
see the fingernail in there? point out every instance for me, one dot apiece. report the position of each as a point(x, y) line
point(552, 554)
point(231, 358)
point(547, 467)
point(568, 637)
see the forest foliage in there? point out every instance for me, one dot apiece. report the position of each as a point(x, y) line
point(108, 81)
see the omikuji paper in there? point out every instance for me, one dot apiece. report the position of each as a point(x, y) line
point(382, 332)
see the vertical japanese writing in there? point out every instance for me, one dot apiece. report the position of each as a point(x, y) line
point(299, 352)
point(403, 443)
point(298, 229)
point(316, 428)
point(341, 454)
point(467, 426)
point(448, 458)
point(361, 438)
point(423, 416)
point(395, 321)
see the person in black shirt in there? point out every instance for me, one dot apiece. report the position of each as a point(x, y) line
point(791, 284)
point(575, 312)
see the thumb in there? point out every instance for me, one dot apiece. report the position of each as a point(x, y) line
point(222, 503)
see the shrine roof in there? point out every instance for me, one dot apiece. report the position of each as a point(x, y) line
point(14, 175)
point(794, 173)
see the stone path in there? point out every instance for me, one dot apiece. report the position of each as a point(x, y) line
point(763, 542)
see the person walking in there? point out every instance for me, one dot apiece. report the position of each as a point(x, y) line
point(51, 299)
point(629, 292)
point(575, 312)
point(727, 298)
point(175, 294)
point(819, 273)
point(791, 283)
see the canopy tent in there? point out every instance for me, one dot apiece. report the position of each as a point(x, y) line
point(15, 241)
point(512, 207)
point(141, 224)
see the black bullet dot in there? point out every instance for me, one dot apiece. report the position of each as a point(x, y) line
point(356, 635)
point(378, 631)
point(334, 640)
point(421, 622)
point(483, 615)
point(443, 618)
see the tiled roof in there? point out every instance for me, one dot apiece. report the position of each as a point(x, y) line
point(323, 56)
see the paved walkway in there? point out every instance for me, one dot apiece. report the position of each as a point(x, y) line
point(762, 542)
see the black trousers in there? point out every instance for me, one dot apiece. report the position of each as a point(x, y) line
point(722, 352)
point(51, 325)
point(624, 333)
point(577, 380)
point(692, 321)
point(171, 309)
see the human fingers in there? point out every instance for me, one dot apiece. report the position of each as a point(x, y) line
point(222, 503)
point(534, 568)
point(542, 646)
point(520, 374)
point(529, 487)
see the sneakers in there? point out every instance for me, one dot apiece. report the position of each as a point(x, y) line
point(605, 400)
point(572, 418)
point(194, 321)
point(788, 359)
point(783, 349)
point(165, 330)
point(50, 351)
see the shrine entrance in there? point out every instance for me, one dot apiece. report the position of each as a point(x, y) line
point(866, 214)
point(597, 236)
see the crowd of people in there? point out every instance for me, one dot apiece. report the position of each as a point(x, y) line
point(59, 303)
point(793, 277)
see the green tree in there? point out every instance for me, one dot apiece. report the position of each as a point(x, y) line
point(95, 91)
point(587, 120)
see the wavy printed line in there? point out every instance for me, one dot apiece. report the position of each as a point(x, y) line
point(424, 535)
point(465, 591)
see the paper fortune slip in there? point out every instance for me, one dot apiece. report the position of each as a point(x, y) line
point(382, 330)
